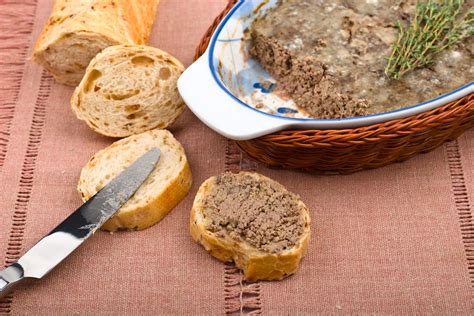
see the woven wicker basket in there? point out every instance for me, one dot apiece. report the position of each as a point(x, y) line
point(351, 150)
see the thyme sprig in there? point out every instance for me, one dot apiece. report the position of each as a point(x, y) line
point(436, 26)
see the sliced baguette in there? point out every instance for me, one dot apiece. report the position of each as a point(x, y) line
point(77, 30)
point(257, 262)
point(166, 186)
point(128, 90)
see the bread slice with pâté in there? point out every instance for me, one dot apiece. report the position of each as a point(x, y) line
point(253, 221)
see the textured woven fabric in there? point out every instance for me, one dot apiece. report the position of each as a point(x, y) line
point(396, 240)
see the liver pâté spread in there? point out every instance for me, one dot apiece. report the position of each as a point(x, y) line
point(257, 212)
point(330, 55)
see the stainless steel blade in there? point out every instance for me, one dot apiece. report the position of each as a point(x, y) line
point(81, 224)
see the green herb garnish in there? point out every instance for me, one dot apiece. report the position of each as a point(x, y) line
point(436, 26)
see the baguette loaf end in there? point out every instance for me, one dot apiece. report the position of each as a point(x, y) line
point(77, 30)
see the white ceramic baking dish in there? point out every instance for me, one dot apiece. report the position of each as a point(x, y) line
point(225, 89)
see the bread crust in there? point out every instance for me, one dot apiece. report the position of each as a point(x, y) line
point(149, 214)
point(87, 27)
point(155, 208)
point(256, 264)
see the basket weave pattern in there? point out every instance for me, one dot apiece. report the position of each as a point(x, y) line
point(351, 150)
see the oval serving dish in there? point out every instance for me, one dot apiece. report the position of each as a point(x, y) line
point(220, 85)
point(248, 106)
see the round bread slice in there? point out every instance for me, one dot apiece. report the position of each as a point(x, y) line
point(251, 220)
point(164, 188)
point(128, 90)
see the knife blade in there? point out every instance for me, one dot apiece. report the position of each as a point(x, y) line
point(80, 225)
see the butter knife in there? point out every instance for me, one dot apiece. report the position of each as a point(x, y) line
point(80, 225)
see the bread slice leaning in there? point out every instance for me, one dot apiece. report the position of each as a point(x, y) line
point(228, 246)
point(127, 90)
point(166, 186)
point(78, 29)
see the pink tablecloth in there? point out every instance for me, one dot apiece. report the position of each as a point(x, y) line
point(398, 240)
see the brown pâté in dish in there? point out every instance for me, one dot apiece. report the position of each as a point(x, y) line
point(330, 55)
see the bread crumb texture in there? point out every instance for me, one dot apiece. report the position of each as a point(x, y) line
point(128, 90)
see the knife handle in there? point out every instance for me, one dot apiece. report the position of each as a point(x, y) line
point(10, 277)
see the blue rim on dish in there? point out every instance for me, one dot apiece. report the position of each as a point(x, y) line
point(215, 75)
